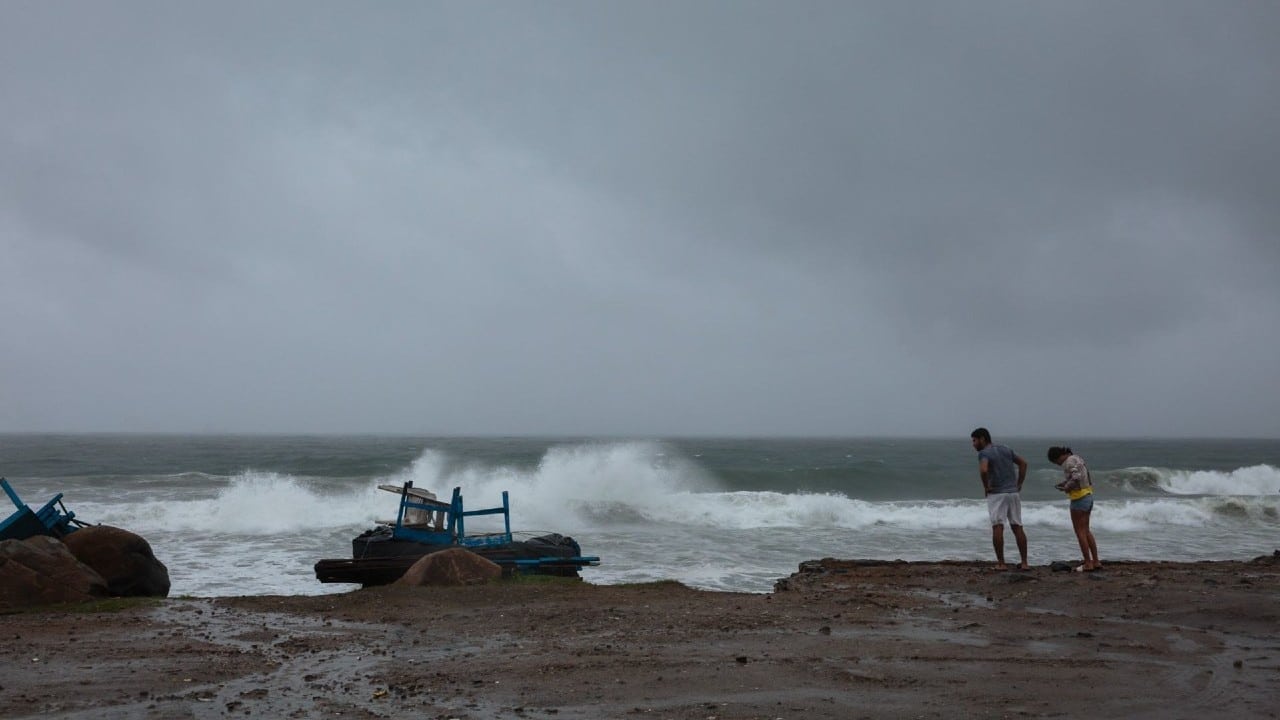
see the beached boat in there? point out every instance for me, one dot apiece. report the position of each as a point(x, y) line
point(424, 525)
point(52, 519)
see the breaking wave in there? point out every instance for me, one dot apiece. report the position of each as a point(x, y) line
point(1253, 480)
point(614, 485)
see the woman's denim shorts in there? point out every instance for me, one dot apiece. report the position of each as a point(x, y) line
point(1084, 504)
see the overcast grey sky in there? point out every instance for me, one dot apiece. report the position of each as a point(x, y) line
point(641, 218)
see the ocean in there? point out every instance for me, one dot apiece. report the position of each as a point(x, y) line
point(250, 515)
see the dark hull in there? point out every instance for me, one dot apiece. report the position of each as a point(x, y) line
point(379, 559)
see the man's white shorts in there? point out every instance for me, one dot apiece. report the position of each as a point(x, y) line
point(1005, 507)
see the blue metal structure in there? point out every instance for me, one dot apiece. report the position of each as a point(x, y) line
point(424, 525)
point(454, 532)
point(52, 519)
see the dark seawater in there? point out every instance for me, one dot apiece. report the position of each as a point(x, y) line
point(251, 514)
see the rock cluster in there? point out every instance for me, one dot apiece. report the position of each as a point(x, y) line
point(91, 563)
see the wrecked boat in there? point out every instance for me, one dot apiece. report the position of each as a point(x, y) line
point(424, 525)
point(52, 519)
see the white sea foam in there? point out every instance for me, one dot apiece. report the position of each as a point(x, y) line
point(1254, 480)
point(1135, 515)
point(651, 514)
point(591, 486)
point(568, 485)
point(252, 503)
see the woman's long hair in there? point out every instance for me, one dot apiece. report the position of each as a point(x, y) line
point(1056, 452)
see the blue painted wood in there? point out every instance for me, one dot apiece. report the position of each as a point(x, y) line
point(534, 565)
point(382, 555)
point(51, 519)
point(21, 525)
point(575, 560)
point(455, 532)
point(10, 492)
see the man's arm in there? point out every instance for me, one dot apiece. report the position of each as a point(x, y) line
point(1022, 469)
point(983, 467)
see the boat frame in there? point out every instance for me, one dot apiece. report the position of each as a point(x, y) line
point(424, 525)
point(449, 525)
point(52, 519)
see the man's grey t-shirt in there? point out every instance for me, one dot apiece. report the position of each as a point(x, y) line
point(1002, 473)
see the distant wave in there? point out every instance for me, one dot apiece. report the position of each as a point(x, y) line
point(755, 510)
point(1253, 480)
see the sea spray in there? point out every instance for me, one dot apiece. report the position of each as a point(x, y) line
point(236, 515)
point(1254, 480)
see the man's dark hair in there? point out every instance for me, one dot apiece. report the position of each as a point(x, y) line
point(981, 433)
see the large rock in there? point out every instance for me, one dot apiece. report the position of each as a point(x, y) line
point(42, 571)
point(124, 559)
point(455, 566)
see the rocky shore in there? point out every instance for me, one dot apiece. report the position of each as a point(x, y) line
point(837, 639)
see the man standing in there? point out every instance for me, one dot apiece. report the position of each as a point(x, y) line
point(1001, 485)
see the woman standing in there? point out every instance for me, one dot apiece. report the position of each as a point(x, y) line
point(1079, 488)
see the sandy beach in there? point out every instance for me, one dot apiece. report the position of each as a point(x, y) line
point(838, 639)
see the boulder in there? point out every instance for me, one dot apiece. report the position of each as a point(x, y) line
point(455, 566)
point(41, 570)
point(122, 558)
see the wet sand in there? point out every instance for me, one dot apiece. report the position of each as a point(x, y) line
point(840, 639)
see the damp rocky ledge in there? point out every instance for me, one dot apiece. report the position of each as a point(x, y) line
point(836, 639)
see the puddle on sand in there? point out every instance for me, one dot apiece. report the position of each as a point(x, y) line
point(955, 599)
point(336, 673)
point(1181, 643)
point(1041, 647)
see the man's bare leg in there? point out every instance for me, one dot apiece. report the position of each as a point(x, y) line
point(997, 541)
point(1020, 536)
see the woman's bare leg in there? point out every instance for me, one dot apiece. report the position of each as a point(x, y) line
point(1093, 544)
point(1080, 524)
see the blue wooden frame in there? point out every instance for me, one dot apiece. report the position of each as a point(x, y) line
point(454, 532)
point(51, 519)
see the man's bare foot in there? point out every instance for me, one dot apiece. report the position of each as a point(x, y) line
point(1000, 566)
point(1024, 566)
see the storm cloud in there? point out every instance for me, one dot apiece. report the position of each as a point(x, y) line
point(657, 218)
